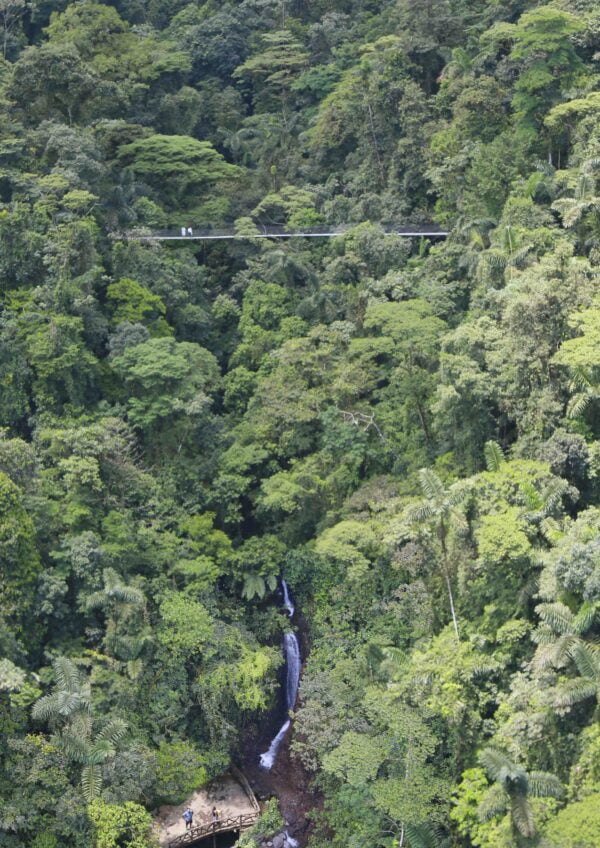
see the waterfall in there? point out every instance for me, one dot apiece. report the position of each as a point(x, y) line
point(291, 650)
point(286, 599)
point(292, 658)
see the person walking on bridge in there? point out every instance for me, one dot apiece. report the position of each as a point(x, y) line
point(189, 818)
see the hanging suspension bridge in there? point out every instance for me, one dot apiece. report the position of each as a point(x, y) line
point(273, 232)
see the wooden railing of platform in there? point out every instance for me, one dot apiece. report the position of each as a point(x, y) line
point(202, 831)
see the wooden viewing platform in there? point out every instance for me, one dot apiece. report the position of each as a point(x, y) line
point(274, 232)
point(230, 794)
point(202, 831)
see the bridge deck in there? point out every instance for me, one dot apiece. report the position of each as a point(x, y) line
point(202, 831)
point(206, 234)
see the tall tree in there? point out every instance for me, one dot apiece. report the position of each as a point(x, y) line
point(512, 790)
point(440, 509)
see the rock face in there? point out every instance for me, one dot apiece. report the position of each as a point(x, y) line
point(282, 840)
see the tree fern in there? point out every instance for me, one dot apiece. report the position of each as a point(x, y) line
point(254, 586)
point(272, 582)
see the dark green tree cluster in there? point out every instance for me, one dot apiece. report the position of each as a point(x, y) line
point(407, 432)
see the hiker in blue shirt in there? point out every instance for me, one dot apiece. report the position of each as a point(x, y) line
point(189, 817)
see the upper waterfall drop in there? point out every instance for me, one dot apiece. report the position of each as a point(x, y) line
point(287, 602)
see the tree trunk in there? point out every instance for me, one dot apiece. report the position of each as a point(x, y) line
point(451, 599)
point(447, 577)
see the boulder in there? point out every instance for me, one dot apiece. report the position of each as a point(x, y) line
point(279, 840)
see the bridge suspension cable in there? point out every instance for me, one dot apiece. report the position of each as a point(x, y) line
point(272, 232)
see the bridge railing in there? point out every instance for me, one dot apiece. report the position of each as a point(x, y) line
point(201, 831)
point(273, 231)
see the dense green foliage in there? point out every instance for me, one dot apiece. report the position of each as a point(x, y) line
point(407, 432)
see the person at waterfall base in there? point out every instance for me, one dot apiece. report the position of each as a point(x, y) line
point(189, 818)
point(215, 815)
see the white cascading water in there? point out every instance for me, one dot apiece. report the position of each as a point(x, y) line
point(287, 600)
point(291, 650)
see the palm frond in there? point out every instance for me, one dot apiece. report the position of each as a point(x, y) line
point(553, 495)
point(542, 784)
point(557, 616)
point(114, 731)
point(418, 513)
point(586, 660)
point(432, 486)
point(68, 703)
point(46, 708)
point(95, 600)
point(456, 494)
point(100, 751)
point(574, 691)
point(579, 403)
point(555, 653)
point(134, 668)
point(74, 746)
point(67, 674)
point(543, 635)
point(519, 256)
point(495, 763)
point(91, 782)
point(126, 595)
point(424, 836)
point(521, 815)
point(81, 724)
point(496, 802)
point(494, 456)
point(586, 616)
point(580, 378)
